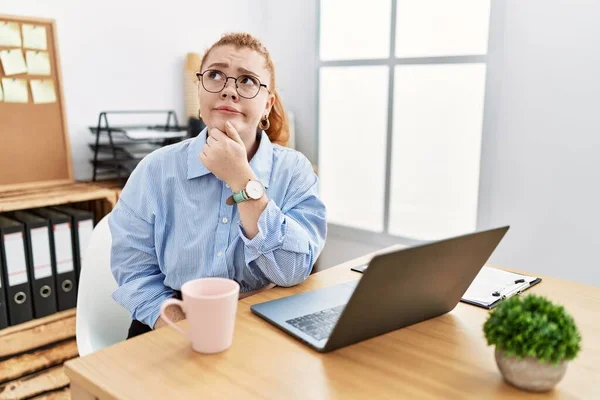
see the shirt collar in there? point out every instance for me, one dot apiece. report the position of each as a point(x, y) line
point(261, 163)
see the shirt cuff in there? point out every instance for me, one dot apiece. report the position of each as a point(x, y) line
point(155, 313)
point(275, 231)
point(143, 301)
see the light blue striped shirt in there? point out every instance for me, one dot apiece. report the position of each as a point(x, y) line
point(171, 225)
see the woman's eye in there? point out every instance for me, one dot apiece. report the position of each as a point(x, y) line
point(247, 81)
point(215, 76)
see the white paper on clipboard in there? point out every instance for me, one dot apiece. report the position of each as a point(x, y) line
point(490, 280)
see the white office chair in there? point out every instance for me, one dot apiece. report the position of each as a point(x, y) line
point(100, 320)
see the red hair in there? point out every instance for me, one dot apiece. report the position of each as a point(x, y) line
point(279, 130)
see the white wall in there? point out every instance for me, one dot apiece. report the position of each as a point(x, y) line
point(130, 54)
point(541, 160)
point(291, 38)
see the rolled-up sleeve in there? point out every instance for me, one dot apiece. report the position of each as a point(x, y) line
point(135, 266)
point(290, 237)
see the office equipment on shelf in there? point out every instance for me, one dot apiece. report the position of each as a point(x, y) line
point(3, 305)
point(13, 263)
point(39, 262)
point(38, 152)
point(82, 225)
point(63, 256)
point(492, 285)
point(3, 300)
point(118, 147)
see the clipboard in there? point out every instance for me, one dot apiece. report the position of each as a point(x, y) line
point(492, 285)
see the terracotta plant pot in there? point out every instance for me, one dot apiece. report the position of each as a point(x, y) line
point(529, 373)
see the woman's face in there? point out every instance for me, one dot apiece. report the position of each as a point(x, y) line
point(225, 62)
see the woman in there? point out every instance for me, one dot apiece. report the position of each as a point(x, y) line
point(231, 202)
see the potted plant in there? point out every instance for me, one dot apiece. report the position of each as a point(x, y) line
point(534, 339)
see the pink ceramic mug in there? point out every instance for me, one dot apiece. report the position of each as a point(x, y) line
point(210, 306)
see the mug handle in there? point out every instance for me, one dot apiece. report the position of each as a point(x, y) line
point(163, 315)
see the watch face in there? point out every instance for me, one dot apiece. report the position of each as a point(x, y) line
point(255, 189)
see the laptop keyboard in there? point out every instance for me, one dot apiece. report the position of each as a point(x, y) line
point(319, 324)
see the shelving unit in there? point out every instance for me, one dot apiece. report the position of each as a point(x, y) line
point(118, 148)
point(32, 353)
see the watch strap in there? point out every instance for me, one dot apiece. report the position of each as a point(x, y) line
point(240, 196)
point(237, 197)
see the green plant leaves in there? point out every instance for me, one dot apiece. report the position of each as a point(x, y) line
point(532, 326)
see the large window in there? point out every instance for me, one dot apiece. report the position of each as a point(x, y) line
point(400, 111)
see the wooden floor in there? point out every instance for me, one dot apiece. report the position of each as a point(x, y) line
point(32, 355)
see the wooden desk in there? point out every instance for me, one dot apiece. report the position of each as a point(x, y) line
point(443, 358)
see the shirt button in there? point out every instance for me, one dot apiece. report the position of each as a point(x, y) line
point(219, 254)
point(227, 186)
point(225, 220)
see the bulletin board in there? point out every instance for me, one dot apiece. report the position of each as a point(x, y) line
point(34, 141)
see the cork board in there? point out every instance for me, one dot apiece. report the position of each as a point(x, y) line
point(34, 142)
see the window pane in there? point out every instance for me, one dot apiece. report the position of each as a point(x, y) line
point(353, 110)
point(353, 29)
point(438, 114)
point(426, 28)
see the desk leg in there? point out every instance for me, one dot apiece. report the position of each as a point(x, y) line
point(79, 393)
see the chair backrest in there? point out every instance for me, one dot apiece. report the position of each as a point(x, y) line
point(100, 320)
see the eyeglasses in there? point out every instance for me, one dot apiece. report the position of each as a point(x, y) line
point(213, 81)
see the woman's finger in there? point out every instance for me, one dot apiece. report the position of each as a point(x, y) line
point(233, 133)
point(216, 134)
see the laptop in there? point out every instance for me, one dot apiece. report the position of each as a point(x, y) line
point(398, 289)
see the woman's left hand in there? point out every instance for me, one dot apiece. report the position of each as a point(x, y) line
point(224, 154)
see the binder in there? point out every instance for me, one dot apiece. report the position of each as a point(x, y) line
point(3, 305)
point(62, 254)
point(39, 262)
point(82, 225)
point(13, 262)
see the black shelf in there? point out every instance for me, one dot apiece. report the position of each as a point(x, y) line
point(135, 150)
point(124, 146)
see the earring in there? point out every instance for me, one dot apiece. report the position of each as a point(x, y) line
point(264, 123)
point(199, 114)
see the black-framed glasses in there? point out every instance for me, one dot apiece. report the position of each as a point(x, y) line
point(247, 86)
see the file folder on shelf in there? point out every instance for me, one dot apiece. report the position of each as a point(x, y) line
point(82, 225)
point(3, 306)
point(39, 262)
point(62, 257)
point(13, 262)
